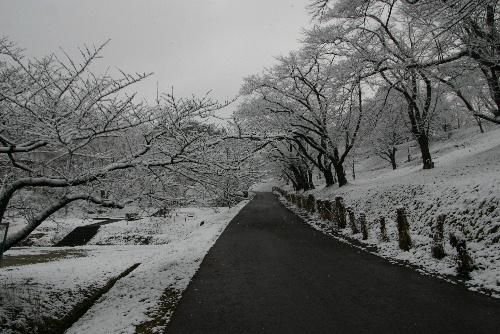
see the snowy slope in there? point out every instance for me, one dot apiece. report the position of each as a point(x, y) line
point(465, 185)
point(33, 293)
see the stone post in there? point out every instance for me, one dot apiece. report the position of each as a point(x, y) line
point(403, 230)
point(352, 220)
point(437, 247)
point(340, 209)
point(328, 210)
point(319, 206)
point(464, 262)
point(383, 230)
point(363, 226)
point(311, 203)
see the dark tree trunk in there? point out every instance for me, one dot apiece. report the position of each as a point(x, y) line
point(310, 183)
point(329, 178)
point(303, 184)
point(418, 127)
point(299, 182)
point(339, 170)
point(423, 143)
point(392, 155)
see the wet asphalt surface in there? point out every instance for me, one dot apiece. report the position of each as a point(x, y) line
point(271, 273)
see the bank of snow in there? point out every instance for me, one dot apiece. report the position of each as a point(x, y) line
point(134, 298)
point(34, 294)
point(464, 185)
point(50, 231)
point(177, 225)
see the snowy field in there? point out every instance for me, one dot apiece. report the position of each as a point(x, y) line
point(45, 292)
point(464, 185)
point(52, 230)
point(61, 223)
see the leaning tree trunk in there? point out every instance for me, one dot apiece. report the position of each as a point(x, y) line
point(302, 178)
point(417, 121)
point(297, 181)
point(36, 220)
point(423, 143)
point(392, 157)
point(341, 178)
point(329, 177)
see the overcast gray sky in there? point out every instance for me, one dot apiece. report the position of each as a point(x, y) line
point(194, 45)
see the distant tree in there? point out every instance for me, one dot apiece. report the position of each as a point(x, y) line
point(471, 28)
point(239, 166)
point(320, 103)
point(389, 130)
point(394, 49)
point(293, 165)
point(462, 34)
point(281, 154)
point(466, 84)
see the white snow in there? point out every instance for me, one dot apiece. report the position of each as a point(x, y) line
point(60, 284)
point(264, 186)
point(50, 231)
point(137, 295)
point(464, 185)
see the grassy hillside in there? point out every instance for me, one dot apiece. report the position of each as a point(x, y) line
point(464, 185)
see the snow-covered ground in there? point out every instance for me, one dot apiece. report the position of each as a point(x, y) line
point(33, 293)
point(154, 230)
point(264, 186)
point(464, 185)
point(61, 223)
point(50, 231)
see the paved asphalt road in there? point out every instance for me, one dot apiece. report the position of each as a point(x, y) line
point(271, 273)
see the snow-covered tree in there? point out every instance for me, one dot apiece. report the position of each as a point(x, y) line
point(389, 132)
point(471, 27)
point(318, 100)
point(291, 165)
point(394, 47)
point(67, 132)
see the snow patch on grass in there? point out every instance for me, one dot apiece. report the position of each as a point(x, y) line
point(50, 231)
point(33, 294)
point(464, 185)
point(134, 298)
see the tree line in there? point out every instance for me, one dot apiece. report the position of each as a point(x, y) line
point(69, 133)
point(374, 74)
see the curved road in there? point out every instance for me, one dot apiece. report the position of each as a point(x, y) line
point(271, 273)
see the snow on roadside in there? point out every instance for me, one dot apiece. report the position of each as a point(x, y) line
point(131, 301)
point(464, 185)
point(50, 231)
point(30, 294)
point(484, 279)
point(154, 230)
point(33, 293)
